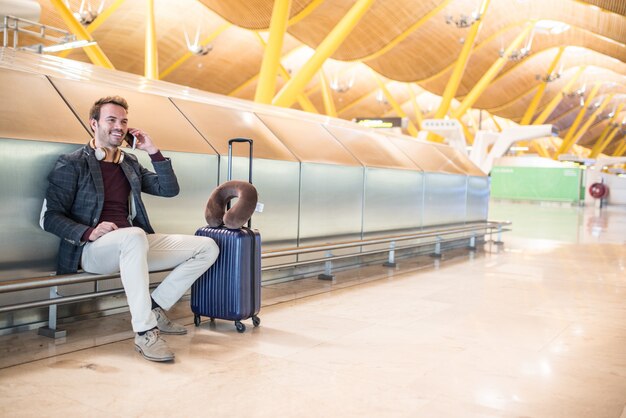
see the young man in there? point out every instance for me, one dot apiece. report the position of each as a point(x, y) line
point(94, 205)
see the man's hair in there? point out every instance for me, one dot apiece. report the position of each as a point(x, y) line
point(94, 113)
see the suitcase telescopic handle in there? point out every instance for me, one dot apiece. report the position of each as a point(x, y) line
point(230, 157)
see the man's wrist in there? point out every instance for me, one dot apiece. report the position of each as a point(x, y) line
point(156, 156)
point(86, 234)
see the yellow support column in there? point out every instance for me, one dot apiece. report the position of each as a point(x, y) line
point(419, 117)
point(151, 66)
point(596, 147)
point(94, 52)
point(606, 142)
point(303, 99)
point(469, 138)
point(541, 149)
point(583, 130)
point(557, 98)
point(619, 151)
point(495, 122)
point(471, 122)
point(600, 144)
point(460, 65)
point(542, 88)
point(394, 104)
point(102, 17)
point(567, 140)
point(327, 95)
point(491, 73)
point(266, 87)
point(287, 95)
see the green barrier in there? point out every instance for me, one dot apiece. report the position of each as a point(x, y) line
point(559, 184)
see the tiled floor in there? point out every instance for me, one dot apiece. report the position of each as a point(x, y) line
point(535, 328)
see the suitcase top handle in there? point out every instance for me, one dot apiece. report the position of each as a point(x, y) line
point(230, 157)
point(230, 141)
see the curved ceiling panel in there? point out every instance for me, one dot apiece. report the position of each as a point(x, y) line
point(410, 47)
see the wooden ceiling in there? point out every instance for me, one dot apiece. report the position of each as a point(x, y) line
point(411, 45)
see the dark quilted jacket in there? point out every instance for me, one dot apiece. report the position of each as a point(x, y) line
point(75, 197)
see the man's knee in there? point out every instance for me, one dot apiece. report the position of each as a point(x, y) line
point(210, 250)
point(134, 239)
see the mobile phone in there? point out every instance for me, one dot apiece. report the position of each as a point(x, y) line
point(130, 139)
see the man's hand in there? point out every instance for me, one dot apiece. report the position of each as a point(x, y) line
point(143, 141)
point(101, 229)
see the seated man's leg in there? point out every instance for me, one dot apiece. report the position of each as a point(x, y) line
point(125, 250)
point(189, 255)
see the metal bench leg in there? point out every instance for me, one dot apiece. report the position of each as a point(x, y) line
point(472, 242)
point(391, 261)
point(51, 331)
point(499, 236)
point(328, 274)
point(437, 253)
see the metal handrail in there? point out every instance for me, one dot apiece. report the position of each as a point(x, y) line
point(53, 280)
point(382, 240)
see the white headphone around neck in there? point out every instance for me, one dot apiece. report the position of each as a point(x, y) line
point(102, 153)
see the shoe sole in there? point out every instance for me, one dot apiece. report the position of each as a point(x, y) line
point(183, 332)
point(138, 349)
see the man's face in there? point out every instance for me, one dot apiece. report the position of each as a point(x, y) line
point(110, 129)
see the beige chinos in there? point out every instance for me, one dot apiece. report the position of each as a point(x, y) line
point(134, 253)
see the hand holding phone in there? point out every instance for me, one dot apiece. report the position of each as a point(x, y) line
point(131, 140)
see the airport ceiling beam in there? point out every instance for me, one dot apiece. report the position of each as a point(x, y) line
point(305, 12)
point(541, 149)
point(327, 95)
point(491, 73)
point(266, 87)
point(595, 150)
point(495, 122)
point(547, 111)
point(94, 52)
point(567, 140)
point(394, 104)
point(419, 116)
point(619, 151)
point(189, 54)
point(151, 57)
point(530, 112)
point(415, 26)
point(583, 130)
point(356, 101)
point(460, 65)
point(102, 17)
point(288, 94)
point(303, 99)
point(255, 77)
point(602, 143)
point(608, 140)
point(469, 138)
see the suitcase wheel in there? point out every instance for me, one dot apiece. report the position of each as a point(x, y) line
point(256, 321)
point(240, 326)
point(196, 320)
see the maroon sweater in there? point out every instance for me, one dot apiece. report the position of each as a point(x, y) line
point(116, 191)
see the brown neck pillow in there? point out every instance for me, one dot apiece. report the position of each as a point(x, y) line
point(235, 217)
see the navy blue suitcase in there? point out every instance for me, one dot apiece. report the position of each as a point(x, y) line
point(231, 288)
